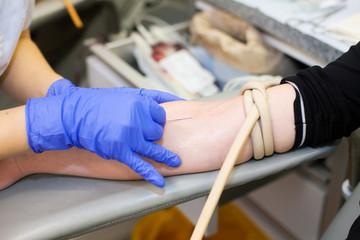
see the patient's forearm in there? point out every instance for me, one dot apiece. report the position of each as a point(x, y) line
point(202, 142)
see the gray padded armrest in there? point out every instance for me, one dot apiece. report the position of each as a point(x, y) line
point(50, 206)
point(341, 224)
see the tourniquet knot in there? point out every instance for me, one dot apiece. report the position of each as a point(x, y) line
point(262, 134)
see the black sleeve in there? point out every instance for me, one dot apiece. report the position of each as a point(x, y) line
point(328, 100)
point(354, 233)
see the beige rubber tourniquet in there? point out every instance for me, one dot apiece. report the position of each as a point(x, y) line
point(255, 105)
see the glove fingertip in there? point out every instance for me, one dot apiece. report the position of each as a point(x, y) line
point(160, 183)
point(157, 180)
point(147, 171)
point(174, 162)
point(158, 113)
point(174, 98)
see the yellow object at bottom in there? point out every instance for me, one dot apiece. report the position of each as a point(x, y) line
point(171, 224)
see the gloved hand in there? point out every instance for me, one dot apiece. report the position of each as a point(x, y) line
point(113, 124)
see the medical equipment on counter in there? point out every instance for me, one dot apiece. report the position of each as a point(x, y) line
point(346, 30)
point(222, 72)
point(233, 41)
point(255, 106)
point(167, 59)
point(116, 64)
point(315, 21)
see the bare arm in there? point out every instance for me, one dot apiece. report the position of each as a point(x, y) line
point(27, 76)
point(202, 143)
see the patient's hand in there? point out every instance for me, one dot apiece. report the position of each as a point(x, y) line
point(201, 142)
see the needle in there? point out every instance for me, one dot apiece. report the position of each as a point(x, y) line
point(181, 118)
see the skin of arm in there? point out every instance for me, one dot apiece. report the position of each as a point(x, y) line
point(201, 143)
point(27, 76)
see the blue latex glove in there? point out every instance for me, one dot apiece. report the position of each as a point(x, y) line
point(113, 124)
point(59, 87)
